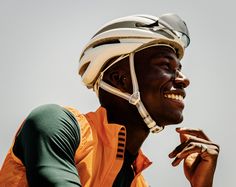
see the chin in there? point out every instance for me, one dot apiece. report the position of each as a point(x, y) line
point(173, 121)
point(179, 120)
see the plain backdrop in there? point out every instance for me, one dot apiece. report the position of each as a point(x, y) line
point(40, 44)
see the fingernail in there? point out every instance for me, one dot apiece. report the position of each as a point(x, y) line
point(178, 128)
point(174, 164)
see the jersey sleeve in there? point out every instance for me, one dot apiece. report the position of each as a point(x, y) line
point(46, 145)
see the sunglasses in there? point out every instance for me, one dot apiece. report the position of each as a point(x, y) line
point(167, 25)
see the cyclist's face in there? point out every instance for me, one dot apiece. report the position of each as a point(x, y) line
point(161, 83)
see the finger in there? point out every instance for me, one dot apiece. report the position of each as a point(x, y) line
point(194, 132)
point(178, 149)
point(190, 139)
point(183, 137)
point(191, 149)
point(206, 151)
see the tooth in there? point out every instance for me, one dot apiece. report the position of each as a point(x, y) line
point(178, 97)
point(173, 96)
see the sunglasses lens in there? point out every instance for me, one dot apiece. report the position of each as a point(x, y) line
point(177, 25)
point(184, 38)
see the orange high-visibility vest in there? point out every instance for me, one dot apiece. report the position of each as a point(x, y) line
point(98, 158)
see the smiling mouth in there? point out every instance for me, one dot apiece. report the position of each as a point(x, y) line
point(174, 97)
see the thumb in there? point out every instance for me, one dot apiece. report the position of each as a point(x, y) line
point(183, 137)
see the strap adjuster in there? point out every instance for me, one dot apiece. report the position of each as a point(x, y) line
point(134, 98)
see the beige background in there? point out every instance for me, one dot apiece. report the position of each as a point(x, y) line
point(40, 43)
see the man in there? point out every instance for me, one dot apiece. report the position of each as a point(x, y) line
point(133, 64)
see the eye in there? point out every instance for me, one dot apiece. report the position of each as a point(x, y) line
point(165, 66)
point(164, 63)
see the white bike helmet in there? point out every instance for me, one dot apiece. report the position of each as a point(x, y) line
point(122, 38)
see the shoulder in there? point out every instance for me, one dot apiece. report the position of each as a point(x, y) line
point(50, 118)
point(47, 110)
point(51, 132)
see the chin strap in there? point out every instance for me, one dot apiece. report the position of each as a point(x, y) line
point(134, 98)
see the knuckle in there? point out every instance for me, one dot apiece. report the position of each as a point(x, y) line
point(191, 144)
point(190, 141)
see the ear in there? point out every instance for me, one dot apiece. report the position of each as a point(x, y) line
point(120, 80)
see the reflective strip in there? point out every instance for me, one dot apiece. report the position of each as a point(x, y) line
point(121, 144)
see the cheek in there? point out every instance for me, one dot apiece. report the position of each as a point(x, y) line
point(153, 80)
point(152, 72)
point(152, 97)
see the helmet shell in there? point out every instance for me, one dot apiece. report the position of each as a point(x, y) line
point(121, 37)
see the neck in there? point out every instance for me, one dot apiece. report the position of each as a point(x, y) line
point(136, 129)
point(135, 139)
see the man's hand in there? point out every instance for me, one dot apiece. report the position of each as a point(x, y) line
point(199, 155)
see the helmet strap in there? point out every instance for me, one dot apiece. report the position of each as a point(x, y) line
point(154, 128)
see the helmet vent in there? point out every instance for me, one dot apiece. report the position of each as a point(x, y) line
point(106, 42)
point(83, 68)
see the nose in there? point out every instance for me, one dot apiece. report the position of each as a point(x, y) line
point(181, 80)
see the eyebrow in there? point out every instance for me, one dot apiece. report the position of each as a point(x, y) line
point(165, 54)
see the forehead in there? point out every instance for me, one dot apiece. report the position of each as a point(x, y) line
point(143, 58)
point(157, 50)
